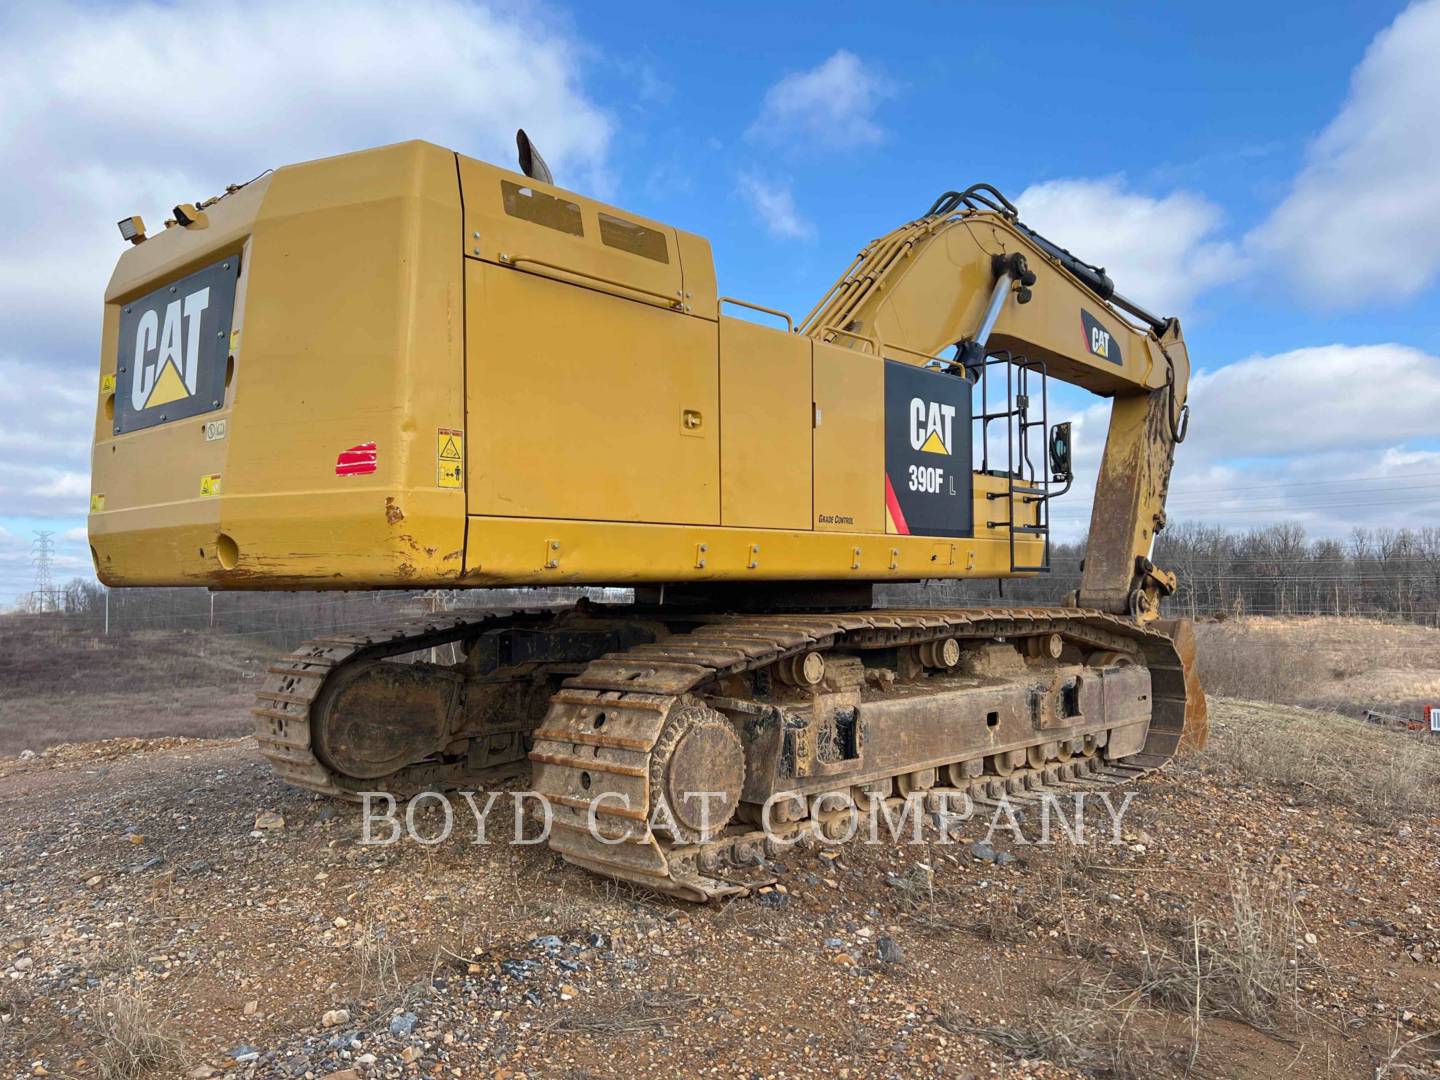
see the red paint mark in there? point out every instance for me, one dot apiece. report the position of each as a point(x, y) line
point(356, 461)
point(893, 505)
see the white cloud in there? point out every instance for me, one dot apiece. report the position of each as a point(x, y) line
point(1160, 252)
point(1332, 397)
point(774, 204)
point(67, 485)
point(1317, 435)
point(830, 105)
point(46, 412)
point(1362, 221)
point(114, 110)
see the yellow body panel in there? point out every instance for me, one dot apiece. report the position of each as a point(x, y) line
point(849, 441)
point(604, 424)
point(520, 551)
point(765, 418)
point(349, 319)
point(631, 429)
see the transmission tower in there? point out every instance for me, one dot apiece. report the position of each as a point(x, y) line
point(44, 596)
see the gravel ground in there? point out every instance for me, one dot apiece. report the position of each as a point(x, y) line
point(171, 896)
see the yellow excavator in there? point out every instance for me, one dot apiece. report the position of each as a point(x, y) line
point(406, 368)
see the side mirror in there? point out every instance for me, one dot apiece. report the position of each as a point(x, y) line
point(1060, 452)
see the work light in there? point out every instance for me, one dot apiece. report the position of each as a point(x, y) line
point(132, 228)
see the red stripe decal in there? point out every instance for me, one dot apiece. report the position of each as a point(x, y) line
point(356, 461)
point(893, 505)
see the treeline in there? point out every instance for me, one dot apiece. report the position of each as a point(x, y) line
point(1276, 570)
point(1279, 571)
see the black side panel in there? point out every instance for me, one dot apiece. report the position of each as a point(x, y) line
point(928, 461)
point(173, 347)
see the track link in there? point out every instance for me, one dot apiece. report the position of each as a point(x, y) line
point(600, 734)
point(595, 749)
point(283, 709)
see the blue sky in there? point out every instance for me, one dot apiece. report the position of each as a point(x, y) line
point(1269, 173)
point(1214, 102)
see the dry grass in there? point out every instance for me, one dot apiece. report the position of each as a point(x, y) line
point(1382, 774)
point(11, 1039)
point(1236, 661)
point(915, 887)
point(645, 1011)
point(121, 954)
point(377, 961)
point(42, 660)
point(1246, 967)
point(132, 1040)
point(1091, 1028)
point(1349, 664)
point(1392, 1066)
point(73, 686)
point(1010, 920)
point(1144, 1016)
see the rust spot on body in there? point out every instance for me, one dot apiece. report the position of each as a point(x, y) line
point(393, 514)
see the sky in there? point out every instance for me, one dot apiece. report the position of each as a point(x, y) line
point(1273, 181)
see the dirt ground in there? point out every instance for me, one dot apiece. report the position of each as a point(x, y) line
point(153, 910)
point(67, 686)
point(140, 875)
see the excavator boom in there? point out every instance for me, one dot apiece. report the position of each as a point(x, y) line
point(969, 274)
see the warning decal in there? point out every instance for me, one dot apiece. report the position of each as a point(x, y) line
point(449, 458)
point(107, 384)
point(210, 485)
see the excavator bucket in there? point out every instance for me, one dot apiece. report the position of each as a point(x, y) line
point(1197, 716)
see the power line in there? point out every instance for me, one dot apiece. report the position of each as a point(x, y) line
point(1425, 503)
point(1187, 489)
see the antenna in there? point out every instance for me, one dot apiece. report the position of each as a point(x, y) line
point(44, 596)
